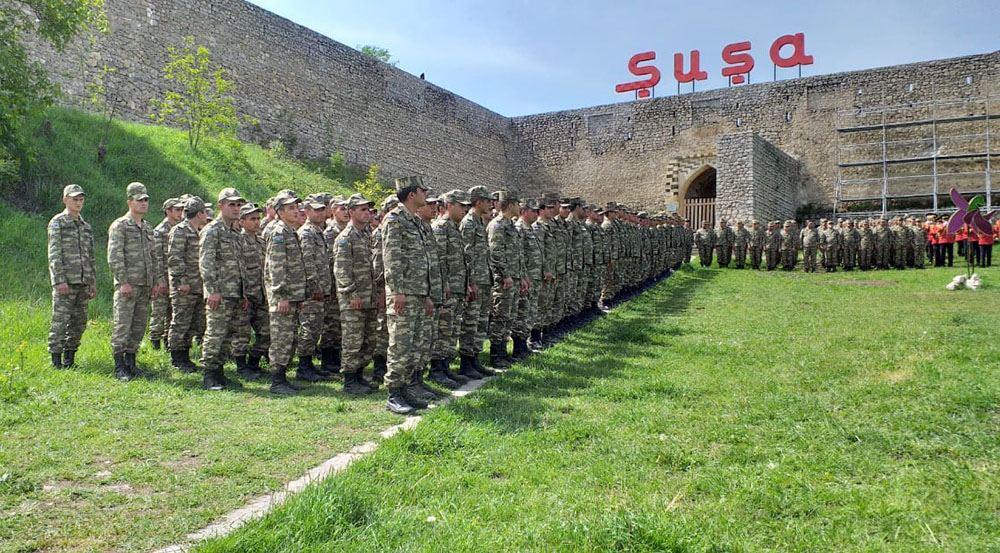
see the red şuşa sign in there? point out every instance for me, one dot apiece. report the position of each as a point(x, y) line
point(737, 57)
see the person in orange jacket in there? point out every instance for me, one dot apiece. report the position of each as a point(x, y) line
point(986, 246)
point(946, 248)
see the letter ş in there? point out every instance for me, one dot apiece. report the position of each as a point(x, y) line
point(641, 86)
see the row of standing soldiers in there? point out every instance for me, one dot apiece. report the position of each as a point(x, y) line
point(326, 277)
point(848, 244)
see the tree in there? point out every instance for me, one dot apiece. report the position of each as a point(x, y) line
point(104, 95)
point(25, 89)
point(372, 188)
point(199, 102)
point(379, 53)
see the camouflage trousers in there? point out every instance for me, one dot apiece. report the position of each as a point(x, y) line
point(569, 294)
point(159, 322)
point(129, 318)
point(583, 284)
point(724, 253)
point(556, 309)
point(381, 328)
point(546, 295)
point(311, 321)
point(609, 282)
point(772, 256)
point(755, 257)
point(187, 320)
point(332, 335)
point(69, 318)
point(502, 312)
point(832, 257)
point(809, 258)
point(865, 257)
point(255, 318)
point(430, 336)
point(788, 259)
point(898, 256)
point(705, 256)
point(220, 329)
point(475, 323)
point(741, 256)
point(850, 257)
point(408, 327)
point(526, 312)
point(596, 284)
point(449, 326)
point(918, 256)
point(358, 342)
point(284, 332)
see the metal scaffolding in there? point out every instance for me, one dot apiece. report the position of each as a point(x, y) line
point(915, 152)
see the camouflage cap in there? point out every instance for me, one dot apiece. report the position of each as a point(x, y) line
point(229, 195)
point(194, 204)
point(171, 203)
point(477, 193)
point(338, 201)
point(456, 196)
point(432, 197)
point(281, 200)
point(566, 202)
point(506, 196)
point(406, 182)
point(315, 201)
point(357, 200)
point(287, 192)
point(136, 191)
point(72, 191)
point(531, 204)
point(249, 208)
point(644, 214)
point(389, 203)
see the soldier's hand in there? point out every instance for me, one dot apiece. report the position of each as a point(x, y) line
point(508, 283)
point(473, 292)
point(525, 285)
point(356, 303)
point(214, 301)
point(318, 296)
point(92, 292)
point(284, 307)
point(549, 277)
point(126, 290)
point(447, 292)
point(184, 289)
point(428, 307)
point(62, 289)
point(246, 305)
point(398, 303)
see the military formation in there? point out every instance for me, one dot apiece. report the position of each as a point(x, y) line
point(335, 285)
point(841, 244)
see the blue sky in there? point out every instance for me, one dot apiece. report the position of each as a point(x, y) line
point(520, 57)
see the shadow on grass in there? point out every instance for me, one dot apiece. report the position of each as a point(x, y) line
point(516, 402)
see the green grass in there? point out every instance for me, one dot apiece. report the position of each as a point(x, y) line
point(721, 411)
point(87, 463)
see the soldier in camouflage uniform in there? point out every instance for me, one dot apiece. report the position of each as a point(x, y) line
point(612, 244)
point(724, 240)
point(788, 241)
point(772, 251)
point(355, 276)
point(883, 245)
point(72, 273)
point(186, 299)
point(223, 273)
point(438, 292)
point(741, 242)
point(382, 321)
point(255, 316)
point(559, 232)
point(919, 236)
point(330, 341)
point(758, 239)
point(545, 234)
point(900, 241)
point(451, 254)
point(831, 245)
point(173, 212)
point(509, 282)
point(866, 246)
point(852, 239)
point(133, 265)
point(408, 302)
point(312, 313)
point(704, 239)
point(599, 238)
point(687, 244)
point(475, 320)
point(532, 254)
point(810, 245)
point(286, 285)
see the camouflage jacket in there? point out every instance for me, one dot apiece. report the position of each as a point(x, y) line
point(587, 245)
point(742, 238)
point(182, 257)
point(774, 240)
point(130, 253)
point(161, 236)
point(597, 238)
point(867, 238)
point(71, 251)
point(222, 263)
point(253, 261)
point(611, 245)
point(725, 236)
point(531, 250)
point(505, 249)
point(545, 234)
point(574, 231)
point(810, 237)
point(560, 236)
point(477, 249)
point(451, 254)
point(378, 263)
point(758, 238)
point(330, 233)
point(317, 258)
point(705, 238)
point(405, 254)
point(284, 266)
point(435, 277)
point(352, 254)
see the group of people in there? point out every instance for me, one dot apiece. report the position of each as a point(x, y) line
point(865, 244)
point(406, 288)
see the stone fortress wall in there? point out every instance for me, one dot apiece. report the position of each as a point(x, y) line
point(773, 144)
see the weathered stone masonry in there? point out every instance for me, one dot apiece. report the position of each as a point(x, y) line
point(326, 97)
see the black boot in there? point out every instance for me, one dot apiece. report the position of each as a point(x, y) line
point(121, 369)
point(397, 402)
point(187, 365)
point(378, 374)
point(210, 380)
point(306, 371)
point(279, 383)
point(57, 362)
point(535, 343)
point(177, 360)
point(354, 387)
point(413, 400)
point(131, 365)
point(521, 350)
point(468, 369)
point(155, 342)
point(253, 368)
point(420, 382)
point(478, 365)
point(416, 389)
point(360, 378)
point(445, 365)
point(438, 375)
point(498, 355)
point(330, 364)
point(69, 358)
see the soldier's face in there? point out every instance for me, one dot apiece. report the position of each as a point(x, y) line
point(230, 210)
point(316, 216)
point(341, 215)
point(174, 214)
point(361, 215)
point(251, 223)
point(74, 204)
point(456, 211)
point(140, 207)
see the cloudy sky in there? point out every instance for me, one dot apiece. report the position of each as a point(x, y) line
point(522, 57)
